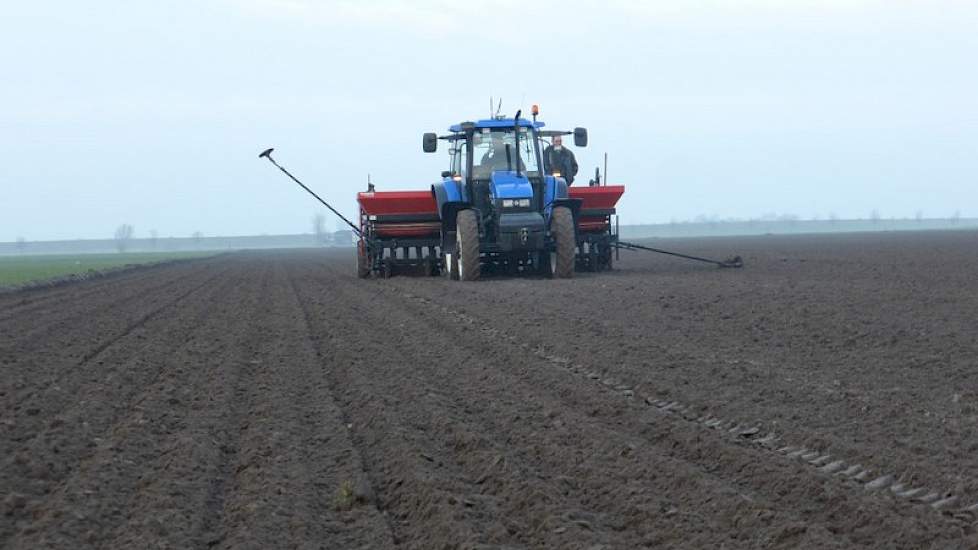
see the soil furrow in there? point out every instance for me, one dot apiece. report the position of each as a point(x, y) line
point(34, 329)
point(52, 447)
point(293, 459)
point(703, 337)
point(523, 454)
point(342, 475)
point(285, 403)
point(17, 305)
point(28, 358)
point(739, 467)
point(70, 377)
point(431, 497)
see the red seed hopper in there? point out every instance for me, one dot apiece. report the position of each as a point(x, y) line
point(399, 214)
point(408, 224)
point(413, 214)
point(597, 206)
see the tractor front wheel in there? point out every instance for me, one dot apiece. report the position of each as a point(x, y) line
point(562, 229)
point(467, 245)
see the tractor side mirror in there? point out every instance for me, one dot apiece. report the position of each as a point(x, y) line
point(446, 174)
point(580, 137)
point(430, 142)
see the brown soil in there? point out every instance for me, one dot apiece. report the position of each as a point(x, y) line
point(272, 400)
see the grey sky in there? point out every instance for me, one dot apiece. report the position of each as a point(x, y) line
point(153, 113)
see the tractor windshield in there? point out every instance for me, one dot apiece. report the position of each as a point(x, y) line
point(495, 149)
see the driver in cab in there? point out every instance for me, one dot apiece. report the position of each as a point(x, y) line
point(496, 158)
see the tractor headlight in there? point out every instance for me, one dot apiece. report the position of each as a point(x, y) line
point(515, 203)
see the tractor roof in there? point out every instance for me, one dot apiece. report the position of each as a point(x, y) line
point(496, 123)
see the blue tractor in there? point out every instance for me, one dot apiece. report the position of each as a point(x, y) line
point(499, 210)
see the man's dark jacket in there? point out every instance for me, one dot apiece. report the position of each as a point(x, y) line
point(562, 161)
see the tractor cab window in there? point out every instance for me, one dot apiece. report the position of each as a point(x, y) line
point(458, 154)
point(495, 149)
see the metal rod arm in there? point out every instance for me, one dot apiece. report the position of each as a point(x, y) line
point(736, 261)
point(268, 154)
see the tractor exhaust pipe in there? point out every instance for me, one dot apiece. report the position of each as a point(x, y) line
point(516, 139)
point(267, 153)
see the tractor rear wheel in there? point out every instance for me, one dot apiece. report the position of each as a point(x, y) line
point(467, 245)
point(363, 262)
point(562, 228)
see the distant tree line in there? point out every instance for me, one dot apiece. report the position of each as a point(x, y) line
point(874, 216)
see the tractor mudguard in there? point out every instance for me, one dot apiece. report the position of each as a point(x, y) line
point(573, 204)
point(441, 195)
point(450, 198)
point(448, 190)
point(448, 212)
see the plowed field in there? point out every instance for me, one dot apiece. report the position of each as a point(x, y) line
point(825, 396)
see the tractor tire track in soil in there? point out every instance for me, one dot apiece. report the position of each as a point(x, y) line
point(273, 400)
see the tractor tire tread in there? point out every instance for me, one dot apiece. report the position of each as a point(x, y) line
point(562, 227)
point(467, 249)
